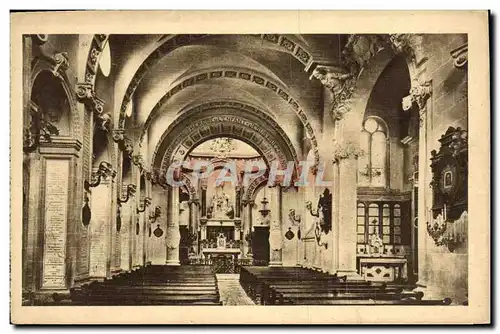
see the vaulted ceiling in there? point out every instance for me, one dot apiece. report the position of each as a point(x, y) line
point(270, 72)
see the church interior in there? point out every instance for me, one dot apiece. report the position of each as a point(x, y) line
point(381, 118)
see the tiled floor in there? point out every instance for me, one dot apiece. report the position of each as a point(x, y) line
point(231, 292)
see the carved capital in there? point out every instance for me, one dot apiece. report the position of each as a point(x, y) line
point(460, 56)
point(194, 201)
point(346, 150)
point(246, 202)
point(419, 93)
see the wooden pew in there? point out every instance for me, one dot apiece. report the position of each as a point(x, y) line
point(280, 286)
point(157, 285)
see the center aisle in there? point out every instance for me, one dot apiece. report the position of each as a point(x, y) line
point(230, 290)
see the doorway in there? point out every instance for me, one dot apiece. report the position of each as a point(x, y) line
point(260, 246)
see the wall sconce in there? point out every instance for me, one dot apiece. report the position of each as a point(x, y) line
point(309, 207)
point(294, 218)
point(131, 188)
point(155, 215)
point(146, 203)
point(104, 171)
point(38, 129)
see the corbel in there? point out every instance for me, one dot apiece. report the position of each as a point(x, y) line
point(104, 171)
point(131, 189)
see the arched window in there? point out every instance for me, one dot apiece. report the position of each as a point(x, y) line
point(372, 166)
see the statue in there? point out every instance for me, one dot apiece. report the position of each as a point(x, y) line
point(220, 206)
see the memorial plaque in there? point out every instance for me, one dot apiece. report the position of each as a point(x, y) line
point(56, 204)
point(99, 228)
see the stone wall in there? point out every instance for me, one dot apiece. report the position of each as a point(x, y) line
point(444, 273)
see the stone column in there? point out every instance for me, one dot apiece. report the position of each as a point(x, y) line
point(347, 237)
point(247, 227)
point(173, 235)
point(424, 197)
point(237, 205)
point(275, 231)
point(203, 201)
point(193, 222)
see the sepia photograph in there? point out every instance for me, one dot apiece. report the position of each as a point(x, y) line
point(266, 169)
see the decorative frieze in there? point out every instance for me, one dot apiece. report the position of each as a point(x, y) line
point(460, 56)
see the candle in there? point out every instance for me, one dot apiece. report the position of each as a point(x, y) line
point(445, 214)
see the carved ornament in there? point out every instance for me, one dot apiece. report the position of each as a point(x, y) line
point(460, 56)
point(419, 94)
point(61, 63)
point(124, 143)
point(341, 85)
point(346, 150)
point(86, 95)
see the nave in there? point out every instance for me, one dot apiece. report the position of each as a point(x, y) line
point(141, 181)
point(199, 285)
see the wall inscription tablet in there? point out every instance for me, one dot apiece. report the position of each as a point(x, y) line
point(56, 204)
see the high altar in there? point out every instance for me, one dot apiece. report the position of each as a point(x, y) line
point(221, 227)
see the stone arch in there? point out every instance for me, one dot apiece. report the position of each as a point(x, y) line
point(97, 45)
point(55, 67)
point(214, 120)
point(351, 123)
point(408, 46)
point(283, 44)
point(188, 185)
point(237, 74)
point(253, 188)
